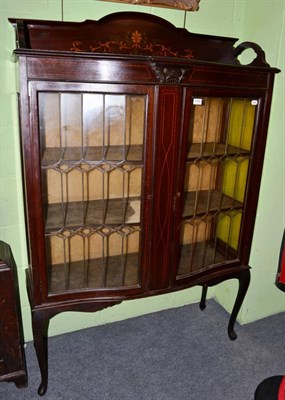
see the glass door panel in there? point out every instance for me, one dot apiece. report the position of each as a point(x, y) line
point(217, 165)
point(92, 172)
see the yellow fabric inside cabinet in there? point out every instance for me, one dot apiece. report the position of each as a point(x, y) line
point(242, 123)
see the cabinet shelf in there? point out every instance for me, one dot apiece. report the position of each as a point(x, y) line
point(92, 213)
point(198, 256)
point(96, 154)
point(210, 149)
point(114, 271)
point(205, 201)
point(119, 211)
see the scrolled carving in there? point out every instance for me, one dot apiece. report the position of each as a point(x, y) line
point(260, 55)
point(171, 75)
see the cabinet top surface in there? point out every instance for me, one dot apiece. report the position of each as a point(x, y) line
point(131, 34)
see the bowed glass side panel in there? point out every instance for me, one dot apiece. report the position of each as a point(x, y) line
point(92, 169)
point(215, 185)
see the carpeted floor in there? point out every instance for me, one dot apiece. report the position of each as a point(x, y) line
point(177, 354)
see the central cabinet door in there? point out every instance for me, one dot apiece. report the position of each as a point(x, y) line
point(93, 167)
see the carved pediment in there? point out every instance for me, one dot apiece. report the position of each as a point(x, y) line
point(131, 33)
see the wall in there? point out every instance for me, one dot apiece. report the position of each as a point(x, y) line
point(265, 25)
point(227, 17)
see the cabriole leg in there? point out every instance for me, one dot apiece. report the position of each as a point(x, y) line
point(40, 327)
point(203, 297)
point(244, 280)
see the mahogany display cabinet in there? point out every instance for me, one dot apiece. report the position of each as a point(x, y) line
point(143, 147)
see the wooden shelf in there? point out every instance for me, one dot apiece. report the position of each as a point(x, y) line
point(53, 155)
point(201, 255)
point(114, 271)
point(210, 149)
point(204, 201)
point(97, 212)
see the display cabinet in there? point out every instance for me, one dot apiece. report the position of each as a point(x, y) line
point(12, 355)
point(142, 156)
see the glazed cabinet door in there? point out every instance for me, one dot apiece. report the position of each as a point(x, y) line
point(89, 153)
point(212, 194)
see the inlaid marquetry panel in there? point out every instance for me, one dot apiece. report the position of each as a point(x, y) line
point(166, 162)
